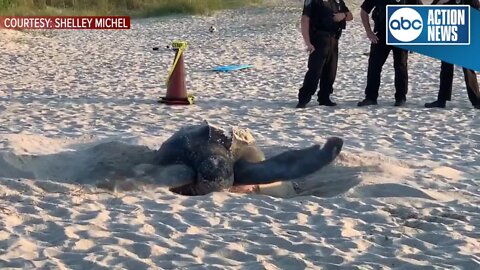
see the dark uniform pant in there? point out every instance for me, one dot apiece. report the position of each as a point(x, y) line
point(322, 67)
point(379, 53)
point(446, 81)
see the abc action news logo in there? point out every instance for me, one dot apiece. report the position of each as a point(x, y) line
point(428, 25)
point(64, 22)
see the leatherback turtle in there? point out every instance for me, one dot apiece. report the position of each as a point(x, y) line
point(215, 159)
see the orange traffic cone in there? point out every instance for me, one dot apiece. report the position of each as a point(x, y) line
point(176, 83)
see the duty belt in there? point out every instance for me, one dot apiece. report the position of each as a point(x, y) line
point(323, 33)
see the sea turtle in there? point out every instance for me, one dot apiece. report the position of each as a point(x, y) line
point(206, 158)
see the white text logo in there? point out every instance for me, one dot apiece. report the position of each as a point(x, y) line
point(405, 24)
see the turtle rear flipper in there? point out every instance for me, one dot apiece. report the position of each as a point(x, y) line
point(289, 165)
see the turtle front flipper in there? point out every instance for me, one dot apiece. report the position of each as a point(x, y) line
point(288, 165)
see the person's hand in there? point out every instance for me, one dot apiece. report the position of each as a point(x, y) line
point(373, 38)
point(310, 48)
point(338, 17)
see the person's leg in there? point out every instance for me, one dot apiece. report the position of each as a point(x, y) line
point(378, 55)
point(472, 87)
point(446, 82)
point(329, 74)
point(445, 91)
point(400, 64)
point(316, 61)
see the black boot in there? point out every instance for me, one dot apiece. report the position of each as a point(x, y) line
point(366, 102)
point(301, 105)
point(400, 103)
point(326, 102)
point(436, 104)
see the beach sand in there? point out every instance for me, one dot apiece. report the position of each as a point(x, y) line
point(81, 106)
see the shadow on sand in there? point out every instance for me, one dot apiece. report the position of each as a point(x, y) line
point(95, 164)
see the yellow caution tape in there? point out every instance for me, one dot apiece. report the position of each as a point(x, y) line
point(180, 46)
point(191, 98)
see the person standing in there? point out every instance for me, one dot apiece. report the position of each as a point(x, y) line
point(379, 51)
point(447, 70)
point(322, 22)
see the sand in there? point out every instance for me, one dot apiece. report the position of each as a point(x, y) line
point(79, 107)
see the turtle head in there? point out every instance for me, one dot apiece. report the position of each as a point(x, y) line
point(215, 172)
